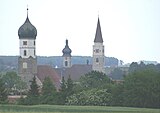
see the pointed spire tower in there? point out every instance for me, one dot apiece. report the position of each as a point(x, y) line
point(66, 56)
point(98, 50)
point(27, 61)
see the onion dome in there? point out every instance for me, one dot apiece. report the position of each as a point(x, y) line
point(66, 51)
point(27, 30)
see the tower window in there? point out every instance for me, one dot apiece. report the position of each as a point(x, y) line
point(97, 60)
point(34, 43)
point(66, 63)
point(97, 50)
point(34, 52)
point(24, 42)
point(25, 52)
point(24, 65)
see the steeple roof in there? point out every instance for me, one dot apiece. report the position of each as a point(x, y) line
point(98, 36)
point(67, 51)
point(27, 30)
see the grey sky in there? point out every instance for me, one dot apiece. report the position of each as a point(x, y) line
point(130, 28)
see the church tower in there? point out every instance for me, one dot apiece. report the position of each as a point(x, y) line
point(98, 51)
point(27, 61)
point(66, 56)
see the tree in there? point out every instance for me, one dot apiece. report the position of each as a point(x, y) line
point(142, 89)
point(63, 85)
point(13, 83)
point(33, 94)
point(62, 94)
point(69, 88)
point(3, 92)
point(33, 88)
point(117, 94)
point(90, 97)
point(94, 79)
point(133, 67)
point(48, 92)
point(136, 67)
point(117, 74)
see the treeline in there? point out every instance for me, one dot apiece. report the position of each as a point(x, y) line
point(139, 88)
point(8, 63)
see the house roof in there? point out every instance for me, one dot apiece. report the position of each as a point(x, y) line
point(47, 71)
point(75, 72)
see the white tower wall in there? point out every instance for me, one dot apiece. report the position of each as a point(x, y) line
point(27, 48)
point(98, 57)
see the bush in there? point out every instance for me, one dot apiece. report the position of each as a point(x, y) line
point(90, 97)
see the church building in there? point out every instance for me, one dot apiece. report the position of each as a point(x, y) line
point(27, 61)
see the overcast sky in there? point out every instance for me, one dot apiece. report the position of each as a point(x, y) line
point(130, 28)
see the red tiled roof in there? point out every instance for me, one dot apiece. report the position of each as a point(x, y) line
point(45, 71)
point(75, 72)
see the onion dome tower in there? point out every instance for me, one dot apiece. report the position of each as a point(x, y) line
point(66, 56)
point(27, 61)
point(98, 50)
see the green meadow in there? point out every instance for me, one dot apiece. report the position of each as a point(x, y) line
point(72, 109)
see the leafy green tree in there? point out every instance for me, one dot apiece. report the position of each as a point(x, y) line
point(117, 74)
point(90, 97)
point(13, 83)
point(117, 94)
point(3, 92)
point(48, 92)
point(133, 67)
point(94, 79)
point(142, 89)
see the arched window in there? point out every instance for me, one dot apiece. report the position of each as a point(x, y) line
point(97, 60)
point(66, 63)
point(25, 52)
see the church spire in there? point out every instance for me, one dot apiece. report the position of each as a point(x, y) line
point(98, 36)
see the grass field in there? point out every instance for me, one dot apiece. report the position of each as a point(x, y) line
point(72, 109)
